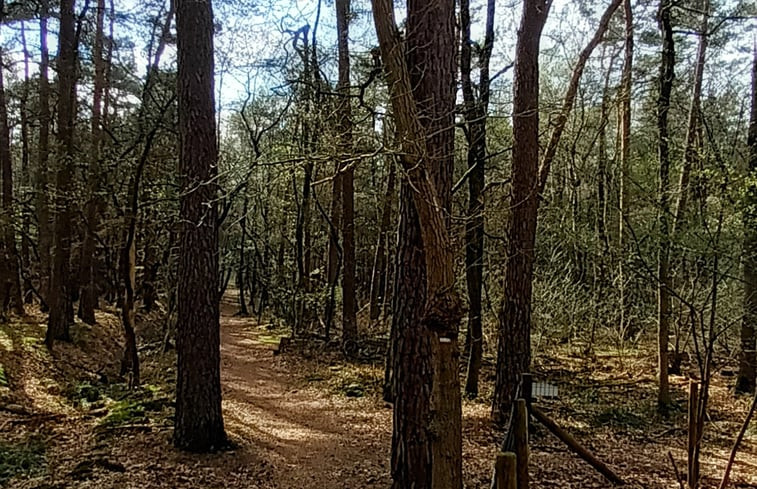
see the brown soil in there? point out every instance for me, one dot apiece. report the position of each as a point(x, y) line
point(293, 425)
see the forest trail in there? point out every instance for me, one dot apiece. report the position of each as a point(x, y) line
point(311, 438)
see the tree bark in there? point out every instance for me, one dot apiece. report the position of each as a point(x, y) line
point(625, 154)
point(11, 286)
point(514, 342)
point(476, 116)
point(198, 424)
point(60, 296)
point(667, 75)
point(426, 441)
point(88, 298)
point(43, 172)
point(747, 362)
point(349, 303)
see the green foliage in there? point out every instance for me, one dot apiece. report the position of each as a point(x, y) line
point(26, 458)
point(134, 407)
point(3, 377)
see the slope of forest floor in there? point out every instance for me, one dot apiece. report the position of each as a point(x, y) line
point(306, 418)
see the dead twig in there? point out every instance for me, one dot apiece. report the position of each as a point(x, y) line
point(675, 470)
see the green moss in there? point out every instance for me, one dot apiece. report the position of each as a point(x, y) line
point(127, 411)
point(25, 459)
point(3, 377)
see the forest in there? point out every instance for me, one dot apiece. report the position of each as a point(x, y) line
point(432, 244)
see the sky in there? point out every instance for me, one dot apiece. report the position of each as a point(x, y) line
point(252, 33)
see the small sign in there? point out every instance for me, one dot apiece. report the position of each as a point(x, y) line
point(543, 389)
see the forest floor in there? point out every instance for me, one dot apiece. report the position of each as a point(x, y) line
point(307, 419)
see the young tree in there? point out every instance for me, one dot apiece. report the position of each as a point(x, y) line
point(748, 364)
point(625, 153)
point(475, 112)
point(198, 424)
point(426, 440)
point(664, 311)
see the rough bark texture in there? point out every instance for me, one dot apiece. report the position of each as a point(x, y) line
point(10, 289)
point(663, 260)
point(514, 342)
point(349, 302)
point(60, 283)
point(199, 422)
point(426, 441)
point(475, 115)
point(88, 296)
point(748, 363)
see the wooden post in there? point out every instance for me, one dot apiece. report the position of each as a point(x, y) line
point(505, 471)
point(692, 477)
point(521, 442)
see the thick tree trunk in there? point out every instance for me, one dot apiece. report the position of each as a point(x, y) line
point(198, 422)
point(60, 296)
point(514, 342)
point(88, 297)
point(475, 115)
point(747, 362)
point(426, 444)
point(349, 302)
point(663, 260)
point(11, 282)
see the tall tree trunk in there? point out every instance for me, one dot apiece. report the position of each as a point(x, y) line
point(625, 156)
point(198, 424)
point(349, 302)
point(43, 172)
point(514, 342)
point(88, 298)
point(60, 296)
point(426, 441)
point(475, 115)
point(11, 283)
point(667, 75)
point(25, 170)
point(747, 362)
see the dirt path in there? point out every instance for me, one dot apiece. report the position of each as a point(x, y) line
point(311, 438)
